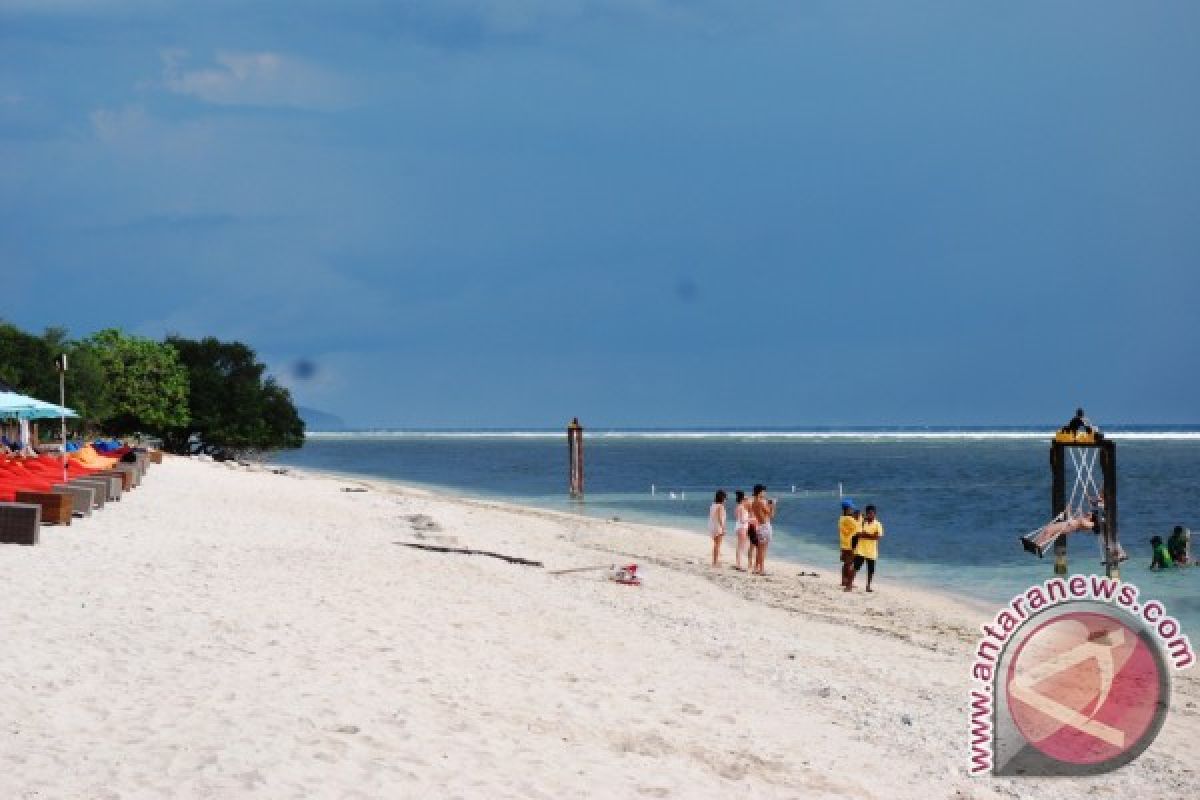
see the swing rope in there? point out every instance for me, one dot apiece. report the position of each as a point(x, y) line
point(1086, 496)
point(1085, 488)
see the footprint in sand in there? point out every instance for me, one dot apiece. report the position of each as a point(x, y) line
point(423, 522)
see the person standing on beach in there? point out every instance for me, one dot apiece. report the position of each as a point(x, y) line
point(762, 509)
point(848, 527)
point(741, 513)
point(866, 551)
point(716, 524)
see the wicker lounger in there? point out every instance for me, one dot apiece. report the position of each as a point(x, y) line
point(20, 523)
point(116, 483)
point(56, 508)
point(110, 474)
point(102, 488)
point(136, 468)
point(83, 498)
point(123, 479)
point(128, 473)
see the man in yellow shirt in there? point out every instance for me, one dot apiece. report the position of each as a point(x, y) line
point(848, 526)
point(867, 548)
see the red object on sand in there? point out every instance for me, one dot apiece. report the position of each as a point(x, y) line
point(627, 575)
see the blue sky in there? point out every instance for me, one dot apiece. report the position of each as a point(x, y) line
point(641, 212)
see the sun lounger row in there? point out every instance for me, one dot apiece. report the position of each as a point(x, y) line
point(34, 492)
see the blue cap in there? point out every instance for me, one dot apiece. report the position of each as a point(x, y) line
point(847, 502)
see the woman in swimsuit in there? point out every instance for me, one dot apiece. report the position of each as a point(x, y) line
point(742, 517)
point(1043, 537)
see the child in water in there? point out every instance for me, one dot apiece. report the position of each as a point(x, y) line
point(716, 524)
point(1161, 558)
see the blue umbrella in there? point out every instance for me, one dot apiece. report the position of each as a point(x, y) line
point(19, 406)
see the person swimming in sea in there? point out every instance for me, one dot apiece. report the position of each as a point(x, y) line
point(1179, 545)
point(1160, 558)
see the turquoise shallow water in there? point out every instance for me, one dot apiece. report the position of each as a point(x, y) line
point(954, 503)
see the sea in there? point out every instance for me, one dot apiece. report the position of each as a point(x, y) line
point(954, 502)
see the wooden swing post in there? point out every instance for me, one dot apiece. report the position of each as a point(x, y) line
point(1107, 516)
point(1112, 547)
point(1058, 502)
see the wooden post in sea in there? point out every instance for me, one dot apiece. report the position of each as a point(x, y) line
point(575, 457)
point(1058, 502)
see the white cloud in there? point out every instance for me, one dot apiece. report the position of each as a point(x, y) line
point(264, 79)
point(118, 125)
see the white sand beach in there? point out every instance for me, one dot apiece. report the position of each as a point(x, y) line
point(225, 632)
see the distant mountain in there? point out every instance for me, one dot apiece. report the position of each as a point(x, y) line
point(315, 420)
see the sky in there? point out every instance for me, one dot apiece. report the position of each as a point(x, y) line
point(493, 213)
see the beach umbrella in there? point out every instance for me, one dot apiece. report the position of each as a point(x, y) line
point(22, 407)
point(19, 406)
point(13, 405)
point(47, 410)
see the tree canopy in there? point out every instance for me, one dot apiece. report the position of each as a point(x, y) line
point(233, 407)
point(146, 386)
point(194, 394)
point(27, 363)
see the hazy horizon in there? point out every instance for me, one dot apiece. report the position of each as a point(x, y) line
point(1028, 427)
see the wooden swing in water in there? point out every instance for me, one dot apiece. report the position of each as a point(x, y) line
point(1091, 507)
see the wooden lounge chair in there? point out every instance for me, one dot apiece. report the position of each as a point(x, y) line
point(20, 523)
point(101, 486)
point(83, 498)
point(137, 468)
point(56, 508)
point(126, 472)
point(122, 480)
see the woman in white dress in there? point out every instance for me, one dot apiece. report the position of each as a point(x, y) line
point(716, 524)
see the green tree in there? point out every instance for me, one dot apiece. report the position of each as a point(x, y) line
point(145, 386)
point(89, 391)
point(27, 364)
point(234, 409)
point(87, 388)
